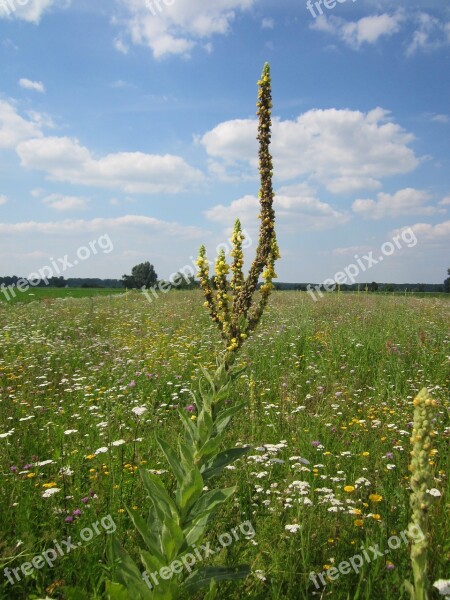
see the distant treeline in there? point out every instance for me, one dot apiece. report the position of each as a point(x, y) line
point(96, 282)
point(373, 287)
point(60, 282)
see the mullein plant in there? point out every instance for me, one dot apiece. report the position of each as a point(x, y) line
point(421, 499)
point(232, 306)
point(177, 522)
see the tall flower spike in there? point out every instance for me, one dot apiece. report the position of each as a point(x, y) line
point(266, 196)
point(237, 321)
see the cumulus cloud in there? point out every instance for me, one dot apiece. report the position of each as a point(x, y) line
point(436, 234)
point(28, 84)
point(367, 30)
point(66, 203)
point(14, 128)
point(3, 199)
point(30, 11)
point(176, 27)
point(297, 209)
point(408, 201)
point(125, 223)
point(430, 34)
point(440, 119)
point(65, 159)
point(344, 150)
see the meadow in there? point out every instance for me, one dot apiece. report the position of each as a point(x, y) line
point(328, 388)
point(50, 293)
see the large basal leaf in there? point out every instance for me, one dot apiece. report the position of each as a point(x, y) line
point(216, 465)
point(210, 501)
point(224, 417)
point(186, 455)
point(205, 425)
point(195, 531)
point(190, 489)
point(210, 447)
point(159, 496)
point(202, 577)
point(127, 572)
point(191, 429)
point(147, 535)
point(150, 562)
point(172, 459)
point(172, 539)
point(116, 591)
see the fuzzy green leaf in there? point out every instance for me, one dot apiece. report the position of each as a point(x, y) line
point(116, 591)
point(147, 535)
point(202, 577)
point(224, 417)
point(216, 465)
point(172, 539)
point(196, 530)
point(191, 429)
point(163, 503)
point(210, 501)
point(127, 573)
point(190, 489)
point(172, 459)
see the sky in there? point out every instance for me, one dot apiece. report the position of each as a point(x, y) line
point(128, 133)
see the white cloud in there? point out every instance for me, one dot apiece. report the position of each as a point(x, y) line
point(65, 159)
point(120, 84)
point(176, 27)
point(367, 30)
point(296, 209)
point(445, 201)
point(41, 119)
point(440, 119)
point(66, 203)
point(344, 150)
point(267, 23)
point(435, 234)
point(350, 250)
point(28, 84)
point(135, 238)
point(121, 46)
point(430, 34)
point(30, 11)
point(124, 223)
point(14, 128)
point(3, 199)
point(408, 201)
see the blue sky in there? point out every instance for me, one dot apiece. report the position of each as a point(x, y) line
point(136, 120)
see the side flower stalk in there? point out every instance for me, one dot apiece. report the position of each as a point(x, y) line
point(420, 500)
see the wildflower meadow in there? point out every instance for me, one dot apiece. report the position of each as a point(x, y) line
point(228, 442)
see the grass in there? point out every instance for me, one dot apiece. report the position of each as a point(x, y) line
point(329, 387)
point(48, 293)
